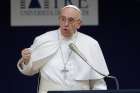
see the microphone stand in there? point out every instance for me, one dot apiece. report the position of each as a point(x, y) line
point(74, 48)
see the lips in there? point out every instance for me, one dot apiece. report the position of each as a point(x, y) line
point(65, 29)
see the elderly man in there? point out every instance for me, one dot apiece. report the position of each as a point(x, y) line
point(59, 67)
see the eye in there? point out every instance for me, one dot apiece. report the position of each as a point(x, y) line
point(71, 20)
point(62, 18)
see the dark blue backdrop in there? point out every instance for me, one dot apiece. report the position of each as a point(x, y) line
point(118, 36)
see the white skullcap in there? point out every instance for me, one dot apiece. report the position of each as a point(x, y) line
point(72, 6)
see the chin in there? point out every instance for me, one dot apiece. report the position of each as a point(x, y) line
point(67, 35)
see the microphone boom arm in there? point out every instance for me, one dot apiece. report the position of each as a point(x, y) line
point(77, 51)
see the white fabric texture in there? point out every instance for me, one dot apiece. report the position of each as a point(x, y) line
point(48, 58)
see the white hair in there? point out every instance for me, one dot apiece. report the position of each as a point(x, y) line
point(74, 7)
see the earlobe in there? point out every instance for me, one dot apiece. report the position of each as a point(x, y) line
point(79, 24)
point(78, 27)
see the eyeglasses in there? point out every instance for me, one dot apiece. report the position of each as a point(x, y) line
point(70, 20)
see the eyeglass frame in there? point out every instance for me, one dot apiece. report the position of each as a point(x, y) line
point(70, 20)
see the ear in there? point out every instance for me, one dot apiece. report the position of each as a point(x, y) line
point(78, 24)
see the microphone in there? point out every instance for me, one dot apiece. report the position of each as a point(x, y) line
point(77, 51)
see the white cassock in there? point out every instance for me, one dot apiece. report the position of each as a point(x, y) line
point(60, 67)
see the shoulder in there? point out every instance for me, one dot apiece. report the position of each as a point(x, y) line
point(47, 34)
point(87, 39)
point(50, 35)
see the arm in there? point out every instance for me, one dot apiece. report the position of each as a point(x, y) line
point(98, 84)
point(24, 65)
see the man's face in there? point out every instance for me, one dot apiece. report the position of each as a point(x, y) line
point(69, 21)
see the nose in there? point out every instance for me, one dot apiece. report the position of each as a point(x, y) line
point(66, 23)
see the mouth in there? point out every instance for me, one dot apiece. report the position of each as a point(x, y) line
point(65, 29)
point(66, 32)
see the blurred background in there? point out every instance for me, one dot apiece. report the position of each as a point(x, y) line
point(117, 33)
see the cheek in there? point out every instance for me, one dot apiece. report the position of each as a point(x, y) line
point(74, 26)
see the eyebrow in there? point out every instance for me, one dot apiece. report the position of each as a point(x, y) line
point(75, 18)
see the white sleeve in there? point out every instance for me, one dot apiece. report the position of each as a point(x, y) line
point(98, 84)
point(25, 69)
